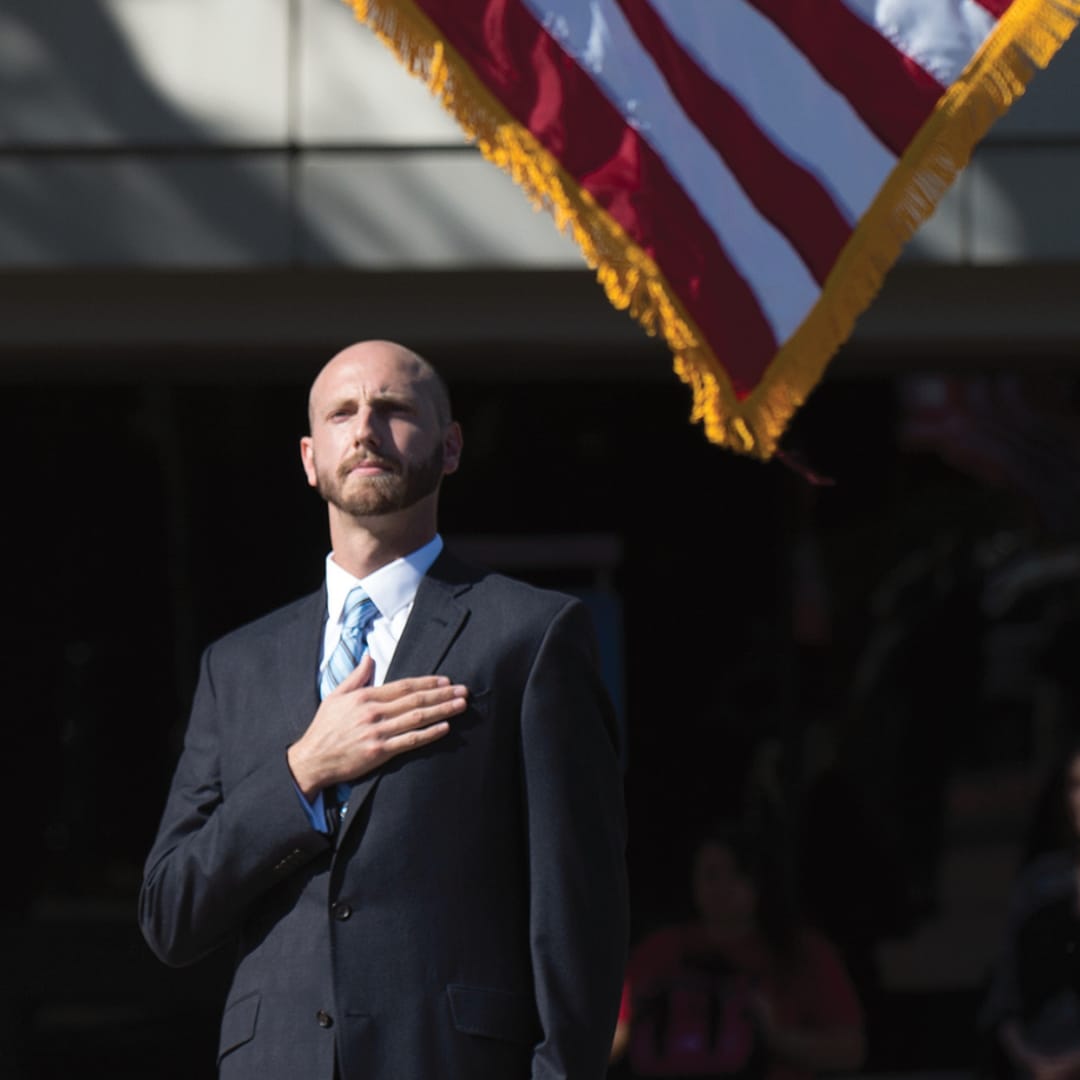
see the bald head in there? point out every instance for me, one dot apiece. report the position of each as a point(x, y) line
point(381, 441)
point(384, 356)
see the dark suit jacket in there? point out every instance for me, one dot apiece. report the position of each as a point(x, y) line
point(469, 922)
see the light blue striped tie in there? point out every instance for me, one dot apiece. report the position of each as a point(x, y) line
point(360, 613)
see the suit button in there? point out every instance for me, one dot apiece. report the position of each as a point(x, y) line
point(324, 1018)
point(341, 911)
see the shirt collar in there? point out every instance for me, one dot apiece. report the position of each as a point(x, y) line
point(391, 587)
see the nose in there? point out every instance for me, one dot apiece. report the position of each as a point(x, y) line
point(365, 427)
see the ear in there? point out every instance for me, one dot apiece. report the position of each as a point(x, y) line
point(452, 444)
point(307, 459)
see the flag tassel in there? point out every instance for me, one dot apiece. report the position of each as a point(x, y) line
point(1026, 39)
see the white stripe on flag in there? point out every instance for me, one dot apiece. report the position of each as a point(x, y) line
point(597, 37)
point(804, 117)
point(941, 36)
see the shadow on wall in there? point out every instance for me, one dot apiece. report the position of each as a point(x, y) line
point(99, 167)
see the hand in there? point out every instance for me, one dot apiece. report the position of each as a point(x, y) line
point(816, 1050)
point(358, 727)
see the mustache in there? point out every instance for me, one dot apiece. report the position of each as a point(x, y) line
point(368, 459)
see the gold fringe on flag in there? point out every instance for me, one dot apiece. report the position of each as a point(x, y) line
point(1025, 40)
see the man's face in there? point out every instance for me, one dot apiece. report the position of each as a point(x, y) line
point(378, 443)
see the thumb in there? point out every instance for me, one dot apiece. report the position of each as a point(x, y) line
point(359, 676)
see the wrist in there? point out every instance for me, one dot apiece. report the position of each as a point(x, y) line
point(304, 775)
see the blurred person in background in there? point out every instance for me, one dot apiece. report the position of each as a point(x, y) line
point(744, 989)
point(1032, 1010)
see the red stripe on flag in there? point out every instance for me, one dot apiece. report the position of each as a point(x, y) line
point(545, 90)
point(893, 94)
point(787, 194)
point(997, 8)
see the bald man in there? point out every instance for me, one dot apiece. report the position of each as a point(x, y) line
point(398, 801)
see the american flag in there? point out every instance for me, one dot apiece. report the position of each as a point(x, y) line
point(741, 173)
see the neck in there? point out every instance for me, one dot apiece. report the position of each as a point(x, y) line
point(364, 545)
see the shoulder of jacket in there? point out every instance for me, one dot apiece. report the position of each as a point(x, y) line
point(523, 591)
point(272, 624)
point(485, 584)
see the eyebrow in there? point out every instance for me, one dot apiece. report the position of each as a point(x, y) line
point(393, 397)
point(383, 396)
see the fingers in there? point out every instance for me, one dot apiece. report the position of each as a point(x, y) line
point(408, 711)
point(375, 723)
point(427, 698)
point(359, 676)
point(414, 739)
point(402, 688)
point(393, 699)
point(415, 719)
point(417, 711)
point(390, 692)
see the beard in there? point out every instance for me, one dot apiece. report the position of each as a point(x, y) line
point(402, 486)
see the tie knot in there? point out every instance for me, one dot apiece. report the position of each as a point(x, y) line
point(360, 610)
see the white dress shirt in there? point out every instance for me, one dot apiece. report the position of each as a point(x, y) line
point(392, 589)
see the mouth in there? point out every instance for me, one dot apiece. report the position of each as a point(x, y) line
point(368, 466)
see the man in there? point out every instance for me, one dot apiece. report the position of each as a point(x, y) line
point(422, 874)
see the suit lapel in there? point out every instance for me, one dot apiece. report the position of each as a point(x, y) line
point(297, 668)
point(438, 614)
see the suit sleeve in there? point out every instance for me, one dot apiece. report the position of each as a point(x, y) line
point(576, 843)
point(215, 856)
